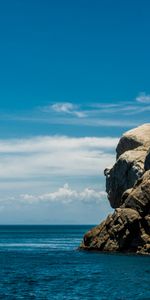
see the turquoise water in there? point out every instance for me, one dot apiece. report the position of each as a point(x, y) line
point(41, 262)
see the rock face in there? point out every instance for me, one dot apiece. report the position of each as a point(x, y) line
point(122, 176)
point(128, 188)
point(134, 138)
point(131, 151)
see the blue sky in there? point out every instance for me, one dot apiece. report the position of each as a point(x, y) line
point(74, 76)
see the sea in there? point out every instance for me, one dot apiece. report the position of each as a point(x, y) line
point(43, 262)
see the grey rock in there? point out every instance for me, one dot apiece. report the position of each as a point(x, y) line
point(123, 175)
point(134, 138)
point(139, 198)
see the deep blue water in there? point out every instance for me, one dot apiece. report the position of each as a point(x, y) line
point(41, 262)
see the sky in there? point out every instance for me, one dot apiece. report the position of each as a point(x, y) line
point(74, 76)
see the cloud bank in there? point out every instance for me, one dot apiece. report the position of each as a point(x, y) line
point(51, 156)
point(66, 195)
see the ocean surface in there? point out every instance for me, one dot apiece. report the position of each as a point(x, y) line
point(41, 262)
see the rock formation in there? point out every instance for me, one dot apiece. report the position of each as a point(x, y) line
point(128, 189)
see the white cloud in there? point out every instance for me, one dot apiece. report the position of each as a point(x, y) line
point(143, 98)
point(91, 115)
point(63, 205)
point(46, 157)
point(65, 108)
point(90, 118)
point(66, 195)
point(94, 112)
point(52, 143)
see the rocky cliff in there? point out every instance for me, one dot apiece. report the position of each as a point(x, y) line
point(128, 189)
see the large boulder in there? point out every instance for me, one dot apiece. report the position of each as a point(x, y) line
point(117, 233)
point(131, 151)
point(139, 197)
point(123, 175)
point(134, 138)
point(128, 188)
point(123, 231)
